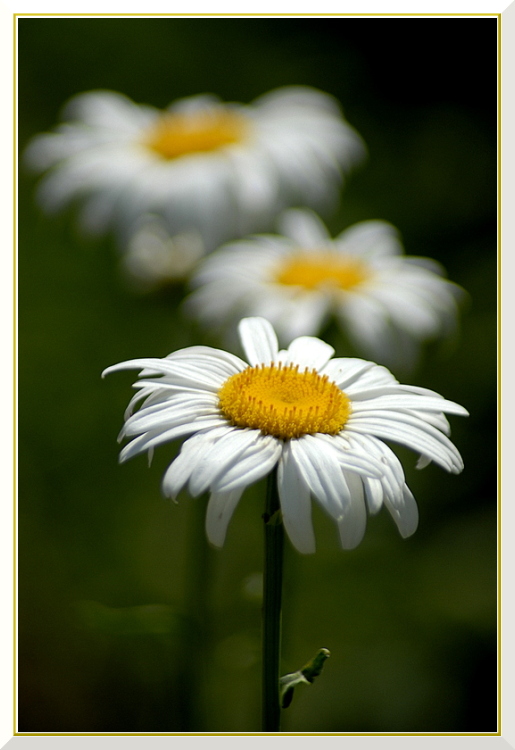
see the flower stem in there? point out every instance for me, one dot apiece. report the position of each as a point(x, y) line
point(272, 593)
point(195, 652)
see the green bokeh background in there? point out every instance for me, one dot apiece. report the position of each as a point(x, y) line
point(128, 621)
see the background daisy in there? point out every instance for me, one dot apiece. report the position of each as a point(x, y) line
point(386, 302)
point(153, 258)
point(207, 166)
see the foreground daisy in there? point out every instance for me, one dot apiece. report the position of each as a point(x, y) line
point(320, 421)
point(385, 301)
point(222, 169)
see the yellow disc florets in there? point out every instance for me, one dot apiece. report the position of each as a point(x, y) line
point(281, 401)
point(177, 135)
point(323, 269)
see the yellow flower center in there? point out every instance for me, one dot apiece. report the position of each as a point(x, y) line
point(176, 135)
point(322, 270)
point(281, 401)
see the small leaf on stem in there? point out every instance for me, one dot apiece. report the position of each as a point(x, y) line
point(306, 675)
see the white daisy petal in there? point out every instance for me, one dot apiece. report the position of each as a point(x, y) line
point(108, 110)
point(403, 428)
point(373, 494)
point(322, 474)
point(179, 373)
point(392, 476)
point(439, 421)
point(191, 455)
point(321, 421)
point(370, 239)
point(224, 361)
point(295, 504)
point(162, 416)
point(344, 372)
point(304, 228)
point(219, 458)
point(157, 437)
point(310, 352)
point(305, 317)
point(404, 514)
point(422, 462)
point(258, 460)
point(351, 526)
point(402, 401)
point(349, 457)
point(258, 340)
point(220, 508)
point(418, 440)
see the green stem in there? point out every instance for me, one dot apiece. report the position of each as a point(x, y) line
point(272, 592)
point(196, 641)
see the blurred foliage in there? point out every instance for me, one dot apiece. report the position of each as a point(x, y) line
point(128, 621)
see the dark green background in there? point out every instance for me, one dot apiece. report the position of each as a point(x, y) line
point(115, 634)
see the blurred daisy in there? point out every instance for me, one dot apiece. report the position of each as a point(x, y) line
point(153, 258)
point(385, 301)
point(320, 421)
point(221, 169)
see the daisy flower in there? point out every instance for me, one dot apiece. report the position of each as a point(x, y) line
point(221, 169)
point(321, 421)
point(385, 301)
point(153, 258)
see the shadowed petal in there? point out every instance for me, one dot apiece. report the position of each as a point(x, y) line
point(220, 508)
point(295, 501)
point(256, 461)
point(352, 524)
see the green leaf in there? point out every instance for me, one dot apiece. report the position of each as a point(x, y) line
point(306, 675)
